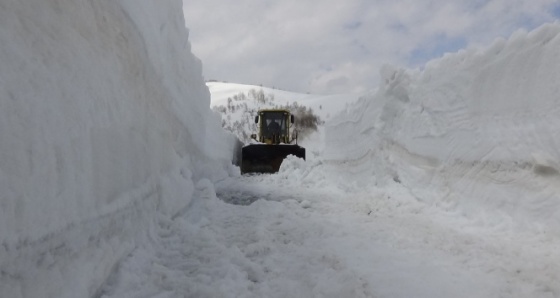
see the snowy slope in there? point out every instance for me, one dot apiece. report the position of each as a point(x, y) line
point(104, 123)
point(324, 106)
point(476, 132)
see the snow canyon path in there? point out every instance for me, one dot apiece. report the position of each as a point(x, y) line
point(261, 236)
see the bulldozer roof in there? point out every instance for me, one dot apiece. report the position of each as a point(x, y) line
point(274, 110)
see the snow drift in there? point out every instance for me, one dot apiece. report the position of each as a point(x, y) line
point(479, 125)
point(104, 123)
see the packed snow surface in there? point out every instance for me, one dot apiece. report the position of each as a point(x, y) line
point(116, 182)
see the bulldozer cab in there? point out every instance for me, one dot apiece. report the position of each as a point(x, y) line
point(274, 126)
point(274, 130)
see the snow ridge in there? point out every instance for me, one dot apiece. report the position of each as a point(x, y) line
point(480, 124)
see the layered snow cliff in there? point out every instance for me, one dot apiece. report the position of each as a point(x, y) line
point(104, 123)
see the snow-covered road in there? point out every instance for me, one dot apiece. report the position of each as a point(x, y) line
point(272, 236)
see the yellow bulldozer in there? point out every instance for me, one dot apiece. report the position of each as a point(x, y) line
point(272, 144)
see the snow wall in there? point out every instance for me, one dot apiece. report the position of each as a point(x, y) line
point(481, 127)
point(104, 126)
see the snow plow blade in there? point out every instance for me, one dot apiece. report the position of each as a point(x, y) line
point(263, 158)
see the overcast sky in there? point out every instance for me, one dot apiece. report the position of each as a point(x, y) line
point(328, 46)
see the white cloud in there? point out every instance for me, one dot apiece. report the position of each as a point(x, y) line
point(338, 46)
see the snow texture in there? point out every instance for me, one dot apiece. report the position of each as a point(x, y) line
point(104, 123)
point(117, 181)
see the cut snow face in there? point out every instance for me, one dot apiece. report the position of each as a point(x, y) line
point(104, 126)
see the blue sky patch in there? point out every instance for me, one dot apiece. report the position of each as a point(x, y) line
point(436, 47)
point(556, 11)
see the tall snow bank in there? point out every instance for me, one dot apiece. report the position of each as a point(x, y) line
point(481, 126)
point(104, 123)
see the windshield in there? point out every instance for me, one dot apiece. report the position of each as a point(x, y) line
point(274, 123)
